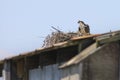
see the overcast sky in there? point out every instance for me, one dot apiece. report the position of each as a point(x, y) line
point(24, 23)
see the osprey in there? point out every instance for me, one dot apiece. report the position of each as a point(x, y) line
point(83, 28)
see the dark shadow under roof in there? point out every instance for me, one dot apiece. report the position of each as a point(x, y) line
point(83, 55)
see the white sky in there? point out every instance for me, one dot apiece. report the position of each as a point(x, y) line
point(24, 22)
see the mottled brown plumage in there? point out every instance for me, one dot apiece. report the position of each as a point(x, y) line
point(83, 28)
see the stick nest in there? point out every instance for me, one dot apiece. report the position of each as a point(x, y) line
point(57, 37)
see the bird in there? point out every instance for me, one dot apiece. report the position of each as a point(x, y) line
point(83, 28)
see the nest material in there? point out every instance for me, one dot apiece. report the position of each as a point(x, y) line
point(60, 36)
point(57, 37)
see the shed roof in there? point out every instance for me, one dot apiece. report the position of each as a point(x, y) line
point(100, 39)
point(71, 42)
point(101, 42)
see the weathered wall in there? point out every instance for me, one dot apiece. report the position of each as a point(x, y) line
point(103, 65)
point(52, 72)
point(72, 72)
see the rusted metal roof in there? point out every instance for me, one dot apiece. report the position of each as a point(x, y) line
point(71, 42)
point(85, 37)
